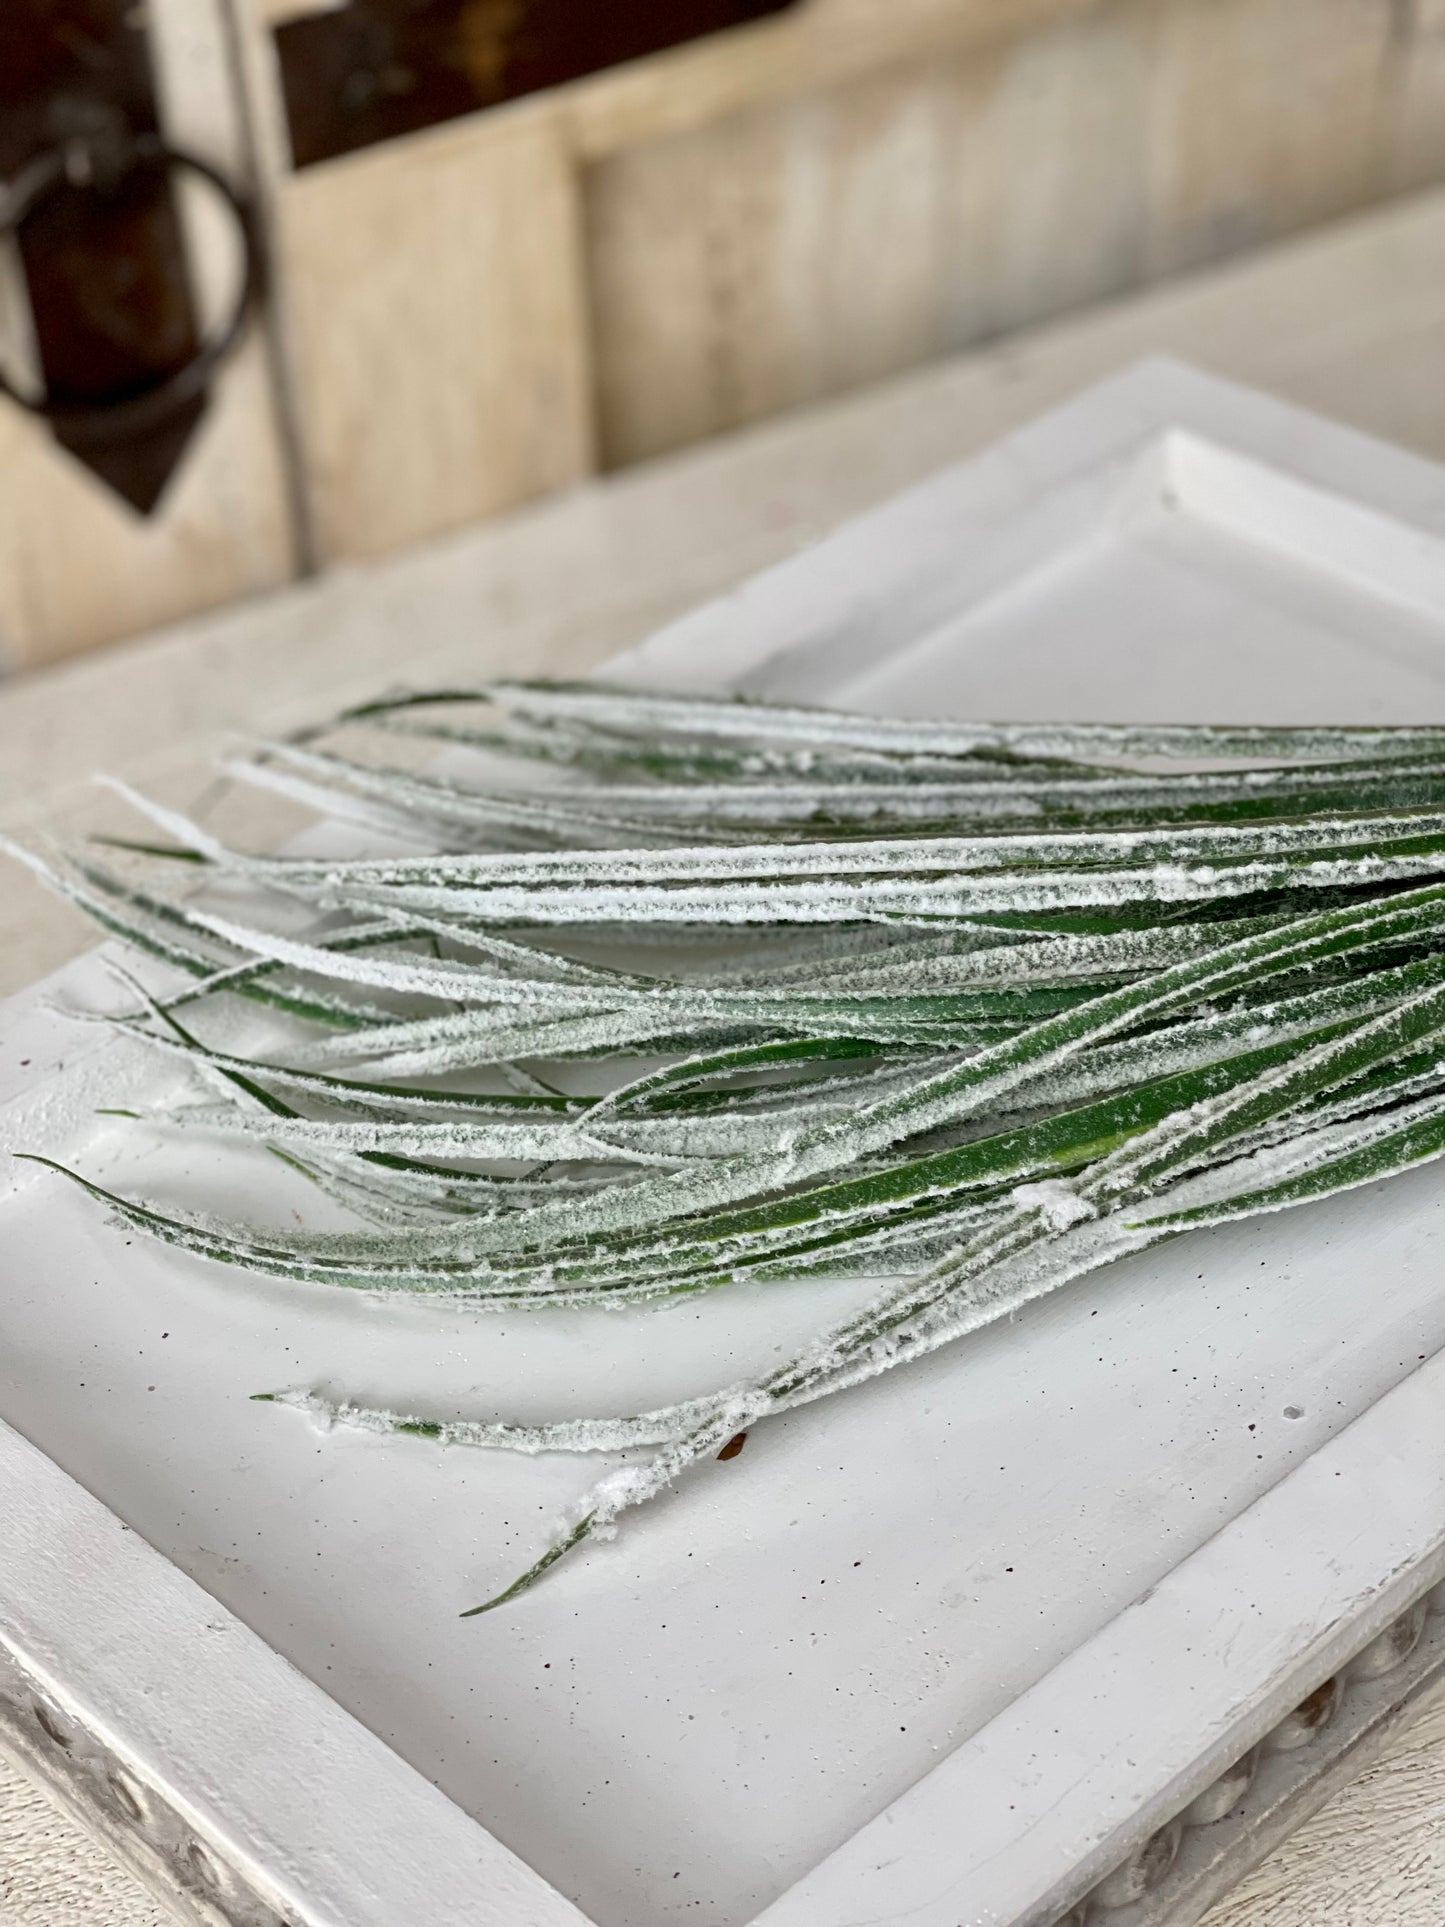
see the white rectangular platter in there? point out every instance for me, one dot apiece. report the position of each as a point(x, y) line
point(952, 1648)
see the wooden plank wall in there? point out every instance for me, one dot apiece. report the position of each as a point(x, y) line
point(475, 315)
point(787, 252)
point(78, 566)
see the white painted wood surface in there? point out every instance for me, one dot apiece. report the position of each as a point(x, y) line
point(270, 1760)
point(451, 582)
point(1158, 1676)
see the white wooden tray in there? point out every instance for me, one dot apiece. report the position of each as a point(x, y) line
point(969, 1645)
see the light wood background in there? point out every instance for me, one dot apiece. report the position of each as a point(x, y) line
point(486, 312)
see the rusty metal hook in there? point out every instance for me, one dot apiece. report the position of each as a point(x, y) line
point(102, 164)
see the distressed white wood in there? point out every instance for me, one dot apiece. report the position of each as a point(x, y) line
point(1089, 1762)
point(314, 1814)
point(734, 1696)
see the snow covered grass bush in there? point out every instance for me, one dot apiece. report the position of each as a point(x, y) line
point(647, 994)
